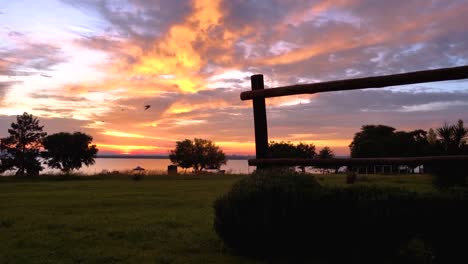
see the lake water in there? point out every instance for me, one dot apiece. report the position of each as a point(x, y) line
point(152, 165)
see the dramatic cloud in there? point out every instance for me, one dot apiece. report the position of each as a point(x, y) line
point(4, 87)
point(190, 59)
point(51, 125)
point(27, 57)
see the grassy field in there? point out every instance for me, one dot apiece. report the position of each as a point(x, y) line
point(156, 220)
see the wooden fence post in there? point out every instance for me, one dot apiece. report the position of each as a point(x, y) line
point(260, 119)
point(258, 95)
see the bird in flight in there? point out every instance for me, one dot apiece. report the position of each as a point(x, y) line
point(147, 107)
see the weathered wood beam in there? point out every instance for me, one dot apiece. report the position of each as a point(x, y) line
point(260, 118)
point(445, 74)
point(360, 161)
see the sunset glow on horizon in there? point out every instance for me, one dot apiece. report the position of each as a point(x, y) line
point(93, 66)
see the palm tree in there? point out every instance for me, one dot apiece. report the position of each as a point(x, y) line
point(453, 137)
point(459, 134)
point(445, 134)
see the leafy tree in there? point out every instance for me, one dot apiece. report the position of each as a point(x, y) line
point(409, 144)
point(289, 150)
point(208, 155)
point(326, 153)
point(372, 141)
point(183, 155)
point(20, 150)
point(67, 152)
point(383, 141)
point(199, 154)
point(419, 142)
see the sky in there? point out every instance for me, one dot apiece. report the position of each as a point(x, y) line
point(92, 66)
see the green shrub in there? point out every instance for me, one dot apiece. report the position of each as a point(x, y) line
point(415, 251)
point(264, 213)
point(445, 228)
point(365, 223)
point(448, 174)
point(290, 214)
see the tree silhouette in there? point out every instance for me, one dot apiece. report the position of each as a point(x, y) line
point(460, 134)
point(372, 141)
point(453, 137)
point(326, 153)
point(183, 154)
point(67, 152)
point(383, 141)
point(289, 150)
point(199, 154)
point(20, 150)
point(375, 141)
point(445, 136)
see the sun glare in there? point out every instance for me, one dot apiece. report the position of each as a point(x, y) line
point(121, 134)
point(129, 149)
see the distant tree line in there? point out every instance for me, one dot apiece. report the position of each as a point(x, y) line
point(301, 150)
point(384, 141)
point(287, 149)
point(201, 154)
point(28, 147)
point(375, 141)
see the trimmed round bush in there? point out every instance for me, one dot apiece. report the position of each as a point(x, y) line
point(265, 213)
point(273, 213)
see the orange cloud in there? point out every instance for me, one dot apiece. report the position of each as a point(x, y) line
point(122, 134)
point(341, 41)
point(202, 51)
point(173, 62)
point(187, 107)
point(128, 149)
point(246, 147)
point(332, 143)
point(176, 54)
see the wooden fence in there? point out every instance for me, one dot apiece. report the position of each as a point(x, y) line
point(259, 93)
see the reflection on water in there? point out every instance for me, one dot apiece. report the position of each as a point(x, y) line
point(153, 165)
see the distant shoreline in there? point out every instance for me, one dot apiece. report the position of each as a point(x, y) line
point(110, 156)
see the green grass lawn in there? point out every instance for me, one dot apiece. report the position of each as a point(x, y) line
point(156, 220)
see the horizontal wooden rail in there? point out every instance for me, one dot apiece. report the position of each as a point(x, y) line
point(445, 74)
point(360, 161)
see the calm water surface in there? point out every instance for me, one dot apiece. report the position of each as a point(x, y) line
point(153, 165)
